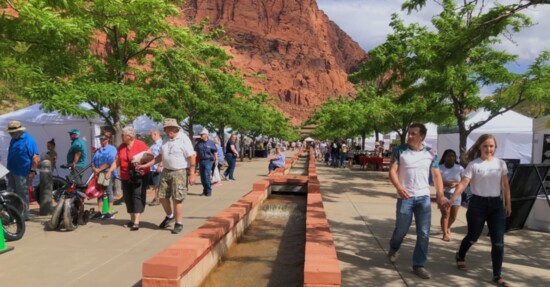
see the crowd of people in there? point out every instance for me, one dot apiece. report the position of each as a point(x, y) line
point(167, 166)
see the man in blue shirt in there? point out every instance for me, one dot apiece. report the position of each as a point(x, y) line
point(208, 156)
point(77, 155)
point(23, 159)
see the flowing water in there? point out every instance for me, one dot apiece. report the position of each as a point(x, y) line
point(270, 252)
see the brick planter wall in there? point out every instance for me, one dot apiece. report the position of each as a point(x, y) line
point(188, 261)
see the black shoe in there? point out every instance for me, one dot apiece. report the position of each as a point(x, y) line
point(165, 222)
point(208, 194)
point(118, 201)
point(177, 228)
point(134, 227)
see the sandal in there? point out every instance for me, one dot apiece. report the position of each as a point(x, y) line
point(460, 263)
point(446, 237)
point(135, 227)
point(129, 224)
point(500, 282)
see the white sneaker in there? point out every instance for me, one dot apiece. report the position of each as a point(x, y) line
point(422, 273)
point(392, 256)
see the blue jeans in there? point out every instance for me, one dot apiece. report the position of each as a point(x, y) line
point(231, 162)
point(405, 208)
point(335, 159)
point(205, 169)
point(343, 157)
point(20, 186)
point(490, 209)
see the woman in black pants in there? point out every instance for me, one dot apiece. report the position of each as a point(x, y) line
point(487, 176)
point(134, 182)
point(231, 156)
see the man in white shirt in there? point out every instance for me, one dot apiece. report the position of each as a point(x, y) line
point(409, 174)
point(177, 156)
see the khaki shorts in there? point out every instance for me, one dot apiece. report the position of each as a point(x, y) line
point(173, 183)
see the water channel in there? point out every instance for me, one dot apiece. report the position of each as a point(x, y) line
point(270, 252)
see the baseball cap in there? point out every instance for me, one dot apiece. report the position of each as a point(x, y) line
point(74, 131)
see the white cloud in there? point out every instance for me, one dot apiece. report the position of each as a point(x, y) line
point(367, 22)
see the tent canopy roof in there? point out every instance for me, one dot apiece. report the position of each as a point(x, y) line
point(35, 116)
point(507, 122)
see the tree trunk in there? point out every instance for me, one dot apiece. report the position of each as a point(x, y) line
point(221, 133)
point(190, 124)
point(363, 139)
point(462, 139)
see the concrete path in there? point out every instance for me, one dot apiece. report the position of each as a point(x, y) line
point(360, 206)
point(103, 252)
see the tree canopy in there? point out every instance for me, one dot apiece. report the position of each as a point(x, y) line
point(447, 67)
point(124, 59)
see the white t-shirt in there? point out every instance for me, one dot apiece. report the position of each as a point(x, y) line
point(176, 151)
point(414, 168)
point(485, 176)
point(452, 174)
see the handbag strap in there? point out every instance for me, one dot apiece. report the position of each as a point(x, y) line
point(128, 155)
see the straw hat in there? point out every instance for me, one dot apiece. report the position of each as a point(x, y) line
point(170, 123)
point(15, 126)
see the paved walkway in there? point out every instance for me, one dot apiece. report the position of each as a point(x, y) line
point(103, 252)
point(360, 206)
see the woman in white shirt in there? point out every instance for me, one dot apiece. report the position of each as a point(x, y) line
point(451, 173)
point(488, 179)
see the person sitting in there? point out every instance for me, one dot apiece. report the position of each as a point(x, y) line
point(276, 160)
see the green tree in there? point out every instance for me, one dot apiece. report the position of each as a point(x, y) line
point(449, 66)
point(70, 52)
point(385, 82)
point(194, 81)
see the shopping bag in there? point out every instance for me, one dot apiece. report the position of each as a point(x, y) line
point(102, 179)
point(216, 177)
point(94, 190)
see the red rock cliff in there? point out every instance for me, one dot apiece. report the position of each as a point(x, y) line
point(298, 54)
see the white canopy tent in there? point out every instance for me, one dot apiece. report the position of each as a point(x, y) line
point(144, 125)
point(513, 132)
point(44, 126)
point(431, 138)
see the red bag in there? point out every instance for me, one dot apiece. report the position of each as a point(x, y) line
point(94, 190)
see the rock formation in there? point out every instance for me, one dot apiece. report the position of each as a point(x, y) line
point(286, 48)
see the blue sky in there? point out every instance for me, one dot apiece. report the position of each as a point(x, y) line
point(367, 22)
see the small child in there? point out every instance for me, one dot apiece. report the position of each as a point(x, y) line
point(327, 157)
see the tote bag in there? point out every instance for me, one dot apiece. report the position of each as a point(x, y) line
point(216, 177)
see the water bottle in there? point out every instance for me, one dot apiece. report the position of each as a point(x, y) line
point(105, 207)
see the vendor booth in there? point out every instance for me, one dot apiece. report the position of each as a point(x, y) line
point(44, 126)
point(539, 217)
point(512, 131)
